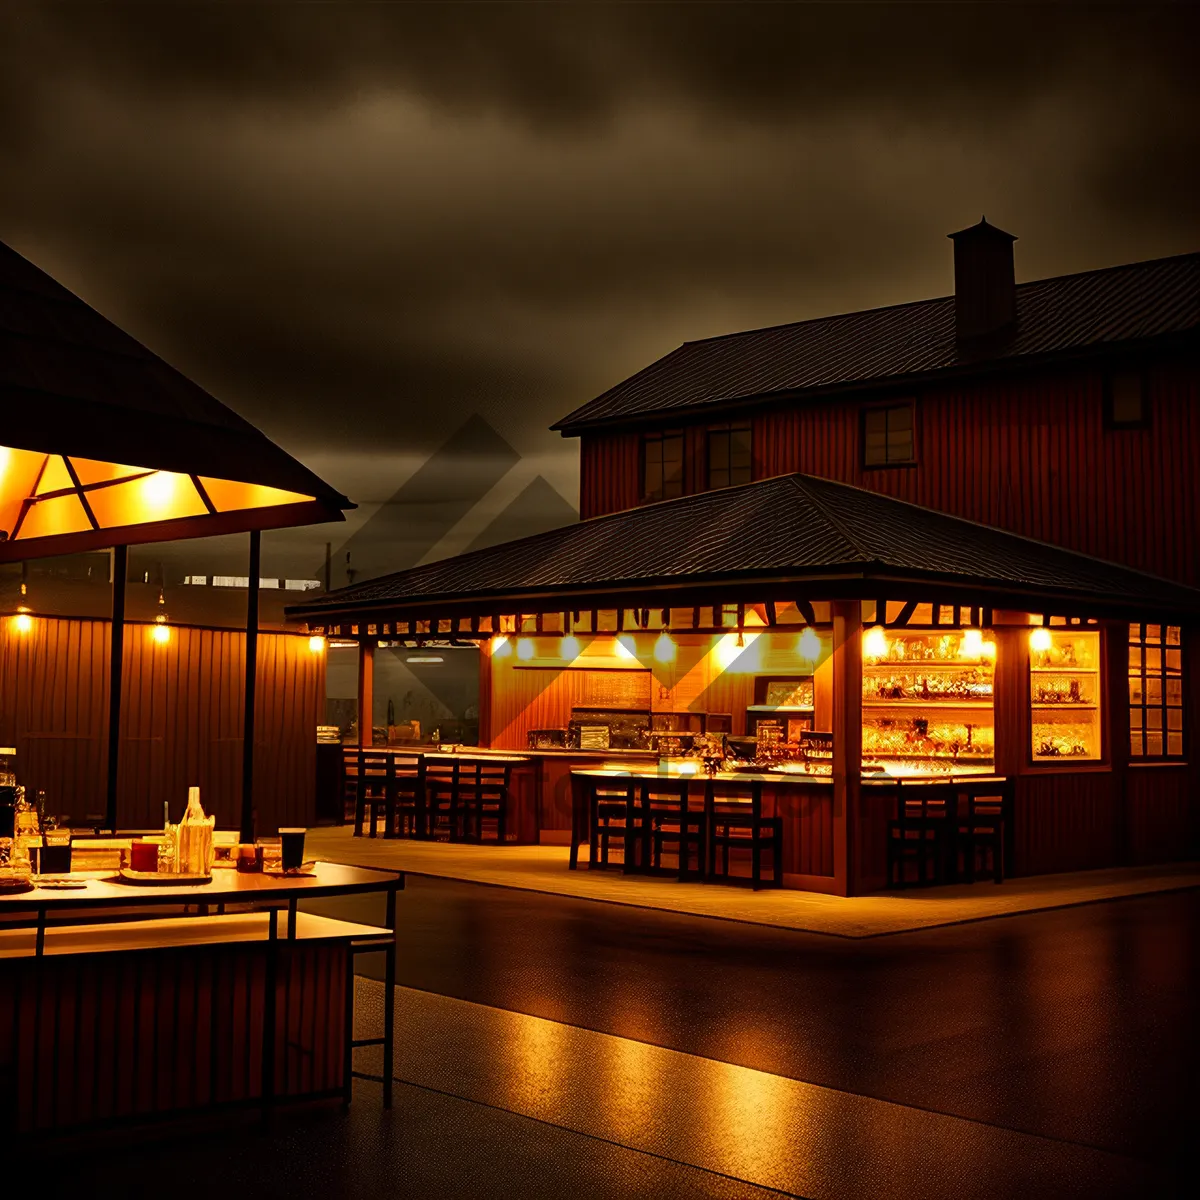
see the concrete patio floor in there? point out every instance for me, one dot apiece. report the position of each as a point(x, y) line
point(544, 869)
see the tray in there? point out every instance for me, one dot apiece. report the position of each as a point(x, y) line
point(155, 879)
point(306, 871)
point(62, 885)
point(15, 887)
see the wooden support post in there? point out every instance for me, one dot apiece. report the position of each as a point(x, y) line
point(116, 662)
point(1114, 655)
point(847, 742)
point(366, 692)
point(247, 823)
point(485, 692)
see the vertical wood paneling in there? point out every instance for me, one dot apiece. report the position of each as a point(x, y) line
point(608, 470)
point(1027, 453)
point(181, 720)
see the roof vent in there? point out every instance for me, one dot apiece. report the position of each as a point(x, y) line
point(985, 288)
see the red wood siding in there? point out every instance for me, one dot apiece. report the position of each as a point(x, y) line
point(608, 473)
point(181, 720)
point(1028, 453)
point(109, 1021)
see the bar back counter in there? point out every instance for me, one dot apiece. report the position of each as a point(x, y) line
point(123, 1004)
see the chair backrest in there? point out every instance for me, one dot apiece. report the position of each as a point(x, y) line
point(483, 777)
point(441, 770)
point(925, 801)
point(747, 798)
point(664, 793)
point(987, 800)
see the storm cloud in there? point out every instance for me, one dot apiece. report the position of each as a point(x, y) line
point(360, 225)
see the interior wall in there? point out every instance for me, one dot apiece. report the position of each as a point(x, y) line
point(707, 674)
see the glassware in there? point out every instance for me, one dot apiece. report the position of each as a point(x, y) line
point(272, 850)
point(292, 847)
point(249, 858)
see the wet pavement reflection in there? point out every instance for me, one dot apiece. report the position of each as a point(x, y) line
point(1075, 1024)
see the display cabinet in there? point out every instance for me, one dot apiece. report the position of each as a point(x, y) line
point(1065, 694)
point(783, 709)
point(928, 701)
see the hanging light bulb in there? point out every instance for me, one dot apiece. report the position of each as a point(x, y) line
point(809, 646)
point(501, 646)
point(316, 643)
point(875, 643)
point(972, 644)
point(664, 648)
point(1041, 639)
point(569, 648)
point(525, 649)
point(23, 622)
point(160, 631)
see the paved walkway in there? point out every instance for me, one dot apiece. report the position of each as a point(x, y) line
point(723, 1121)
point(544, 869)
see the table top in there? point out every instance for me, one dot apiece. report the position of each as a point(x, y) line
point(227, 886)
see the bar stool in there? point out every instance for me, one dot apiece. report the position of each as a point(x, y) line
point(611, 817)
point(980, 827)
point(350, 809)
point(739, 825)
point(921, 832)
point(408, 803)
point(664, 821)
point(441, 798)
point(482, 799)
point(375, 793)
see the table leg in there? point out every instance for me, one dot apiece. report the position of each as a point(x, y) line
point(389, 1000)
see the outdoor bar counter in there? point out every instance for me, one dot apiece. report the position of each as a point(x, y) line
point(124, 1004)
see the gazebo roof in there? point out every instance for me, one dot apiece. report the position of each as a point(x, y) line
point(105, 444)
point(794, 532)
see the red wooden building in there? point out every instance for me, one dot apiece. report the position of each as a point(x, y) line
point(1063, 410)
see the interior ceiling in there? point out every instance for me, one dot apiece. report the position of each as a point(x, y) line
point(54, 495)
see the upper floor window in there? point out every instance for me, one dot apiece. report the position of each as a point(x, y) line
point(1125, 400)
point(729, 455)
point(662, 465)
point(1155, 692)
point(888, 435)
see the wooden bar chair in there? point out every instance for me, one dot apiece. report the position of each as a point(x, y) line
point(408, 805)
point(666, 822)
point(375, 795)
point(921, 833)
point(441, 798)
point(350, 809)
point(980, 828)
point(737, 824)
point(611, 818)
point(482, 800)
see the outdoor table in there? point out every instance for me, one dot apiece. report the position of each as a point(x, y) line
point(126, 1006)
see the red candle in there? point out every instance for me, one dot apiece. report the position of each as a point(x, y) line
point(143, 856)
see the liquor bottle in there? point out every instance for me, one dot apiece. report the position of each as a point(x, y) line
point(8, 800)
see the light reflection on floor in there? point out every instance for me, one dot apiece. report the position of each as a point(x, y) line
point(732, 1121)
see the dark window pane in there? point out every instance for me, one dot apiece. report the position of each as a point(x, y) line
point(1127, 403)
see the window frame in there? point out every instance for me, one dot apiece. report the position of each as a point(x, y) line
point(728, 430)
point(887, 406)
point(660, 436)
point(1111, 424)
point(1143, 706)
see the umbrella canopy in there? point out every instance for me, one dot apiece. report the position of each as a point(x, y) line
point(103, 443)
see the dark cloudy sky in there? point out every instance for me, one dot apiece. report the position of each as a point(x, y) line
point(360, 224)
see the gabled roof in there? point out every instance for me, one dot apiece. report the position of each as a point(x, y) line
point(790, 528)
point(1066, 314)
point(73, 384)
